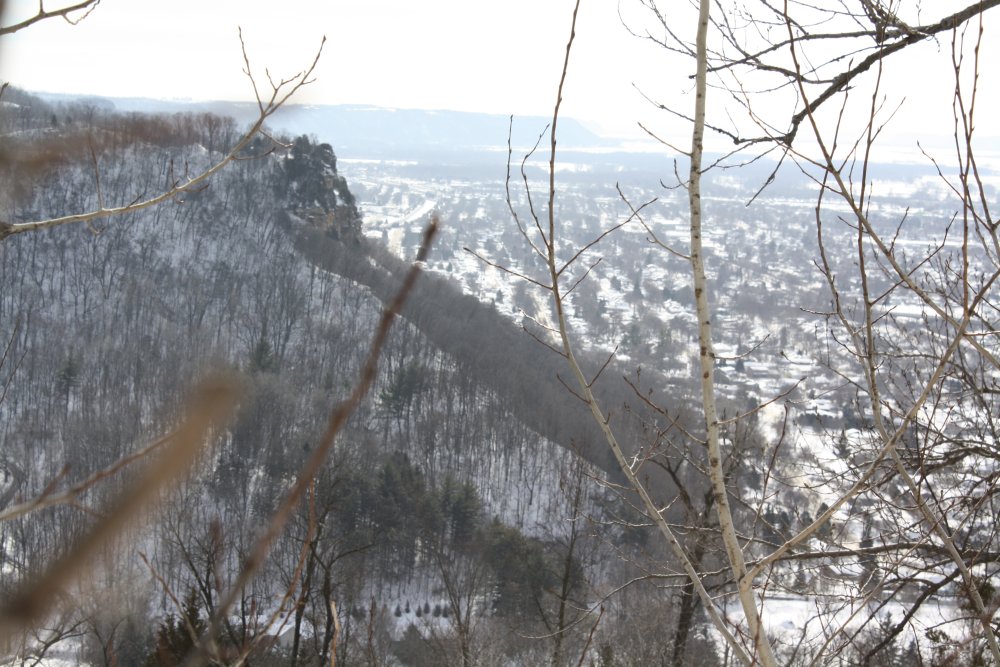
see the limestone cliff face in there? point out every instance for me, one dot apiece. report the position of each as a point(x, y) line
point(316, 192)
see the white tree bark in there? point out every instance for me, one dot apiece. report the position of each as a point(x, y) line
point(706, 356)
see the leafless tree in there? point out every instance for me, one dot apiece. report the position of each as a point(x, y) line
point(168, 460)
point(268, 102)
point(912, 502)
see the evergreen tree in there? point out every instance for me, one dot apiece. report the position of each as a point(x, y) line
point(262, 354)
point(397, 398)
point(68, 377)
point(177, 635)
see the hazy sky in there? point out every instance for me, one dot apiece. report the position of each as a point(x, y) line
point(472, 55)
point(475, 55)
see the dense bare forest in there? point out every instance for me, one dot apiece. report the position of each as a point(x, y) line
point(240, 423)
point(95, 366)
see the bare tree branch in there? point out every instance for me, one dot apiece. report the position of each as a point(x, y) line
point(210, 407)
point(268, 105)
point(319, 455)
point(85, 6)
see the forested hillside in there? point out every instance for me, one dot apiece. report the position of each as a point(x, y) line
point(423, 383)
point(456, 517)
point(470, 512)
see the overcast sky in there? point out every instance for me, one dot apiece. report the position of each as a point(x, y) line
point(472, 55)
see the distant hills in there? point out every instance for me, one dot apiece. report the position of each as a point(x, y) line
point(370, 131)
point(370, 128)
point(475, 139)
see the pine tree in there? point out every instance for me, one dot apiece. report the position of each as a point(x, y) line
point(262, 354)
point(177, 635)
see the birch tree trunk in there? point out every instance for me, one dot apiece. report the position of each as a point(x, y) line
point(706, 355)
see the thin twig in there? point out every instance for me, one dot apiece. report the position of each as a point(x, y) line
point(316, 460)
